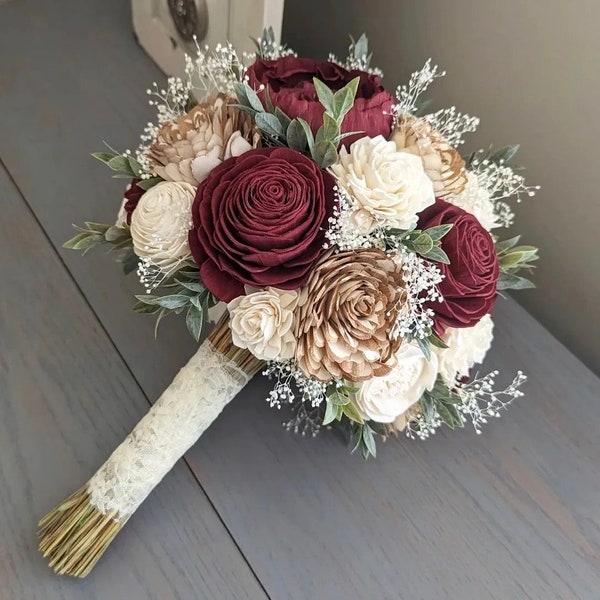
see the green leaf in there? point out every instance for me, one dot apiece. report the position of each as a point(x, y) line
point(422, 244)
point(268, 101)
point(103, 157)
point(449, 415)
point(307, 132)
point(84, 240)
point(329, 131)
point(146, 184)
point(352, 413)
point(134, 166)
point(159, 318)
point(504, 154)
point(343, 99)
point(114, 234)
point(507, 244)
point(248, 97)
point(324, 154)
point(193, 286)
point(145, 309)
point(194, 320)
point(325, 95)
point(269, 124)
point(283, 119)
point(119, 163)
point(338, 398)
point(438, 232)
point(331, 413)
point(369, 441)
point(434, 340)
point(428, 407)
point(360, 48)
point(437, 254)
point(508, 281)
point(296, 138)
point(97, 227)
point(424, 346)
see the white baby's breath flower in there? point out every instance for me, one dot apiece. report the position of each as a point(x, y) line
point(466, 346)
point(388, 186)
point(263, 322)
point(476, 200)
point(161, 222)
point(382, 399)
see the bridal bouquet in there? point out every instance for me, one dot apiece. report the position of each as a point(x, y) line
point(344, 245)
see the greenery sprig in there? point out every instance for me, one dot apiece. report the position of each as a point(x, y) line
point(118, 239)
point(186, 293)
point(499, 156)
point(427, 243)
point(126, 167)
point(441, 400)
point(296, 134)
point(513, 259)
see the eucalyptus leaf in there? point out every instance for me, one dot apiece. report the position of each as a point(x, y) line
point(103, 157)
point(296, 138)
point(307, 132)
point(343, 99)
point(507, 244)
point(352, 413)
point(324, 154)
point(331, 413)
point(508, 281)
point(119, 163)
point(438, 255)
point(146, 184)
point(439, 231)
point(194, 320)
point(269, 124)
point(325, 95)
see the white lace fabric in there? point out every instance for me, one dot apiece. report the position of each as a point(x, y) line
point(180, 416)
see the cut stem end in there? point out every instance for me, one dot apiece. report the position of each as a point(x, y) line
point(75, 534)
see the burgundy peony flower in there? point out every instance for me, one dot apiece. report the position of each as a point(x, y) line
point(469, 285)
point(258, 220)
point(132, 194)
point(290, 84)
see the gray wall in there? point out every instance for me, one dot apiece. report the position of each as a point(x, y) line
point(530, 70)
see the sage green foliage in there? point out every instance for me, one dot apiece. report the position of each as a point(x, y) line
point(442, 402)
point(427, 244)
point(513, 259)
point(185, 293)
point(118, 240)
point(126, 167)
point(296, 134)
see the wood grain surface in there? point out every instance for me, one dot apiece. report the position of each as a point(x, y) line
point(66, 400)
point(511, 514)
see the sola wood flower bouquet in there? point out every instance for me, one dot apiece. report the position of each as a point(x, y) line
point(352, 252)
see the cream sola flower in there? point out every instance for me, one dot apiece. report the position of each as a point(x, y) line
point(467, 346)
point(160, 225)
point(389, 187)
point(383, 399)
point(476, 200)
point(263, 322)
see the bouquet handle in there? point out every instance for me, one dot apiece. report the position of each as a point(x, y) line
point(77, 532)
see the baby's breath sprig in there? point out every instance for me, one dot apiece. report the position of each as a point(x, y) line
point(359, 57)
point(408, 95)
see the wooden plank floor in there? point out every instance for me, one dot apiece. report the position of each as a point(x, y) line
point(254, 512)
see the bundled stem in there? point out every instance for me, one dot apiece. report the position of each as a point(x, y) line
point(75, 534)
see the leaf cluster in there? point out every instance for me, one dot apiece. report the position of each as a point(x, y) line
point(441, 402)
point(118, 239)
point(126, 167)
point(358, 52)
point(296, 134)
point(427, 243)
point(186, 293)
point(513, 259)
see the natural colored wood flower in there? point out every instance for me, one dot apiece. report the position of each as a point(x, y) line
point(345, 324)
point(189, 148)
point(442, 163)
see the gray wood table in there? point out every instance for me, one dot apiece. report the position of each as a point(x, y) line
point(252, 511)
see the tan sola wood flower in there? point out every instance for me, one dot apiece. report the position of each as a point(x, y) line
point(345, 324)
point(190, 147)
point(442, 163)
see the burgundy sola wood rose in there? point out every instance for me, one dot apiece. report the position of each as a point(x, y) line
point(469, 284)
point(133, 193)
point(258, 220)
point(289, 81)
